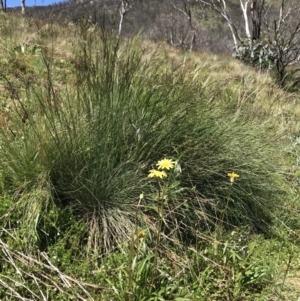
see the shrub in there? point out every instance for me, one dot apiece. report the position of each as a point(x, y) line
point(260, 54)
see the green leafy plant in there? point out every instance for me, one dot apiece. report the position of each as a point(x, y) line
point(261, 54)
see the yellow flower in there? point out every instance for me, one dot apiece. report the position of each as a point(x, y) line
point(232, 176)
point(153, 173)
point(141, 234)
point(165, 164)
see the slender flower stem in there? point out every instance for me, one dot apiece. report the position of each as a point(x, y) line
point(131, 253)
point(232, 176)
point(221, 221)
point(158, 236)
point(160, 173)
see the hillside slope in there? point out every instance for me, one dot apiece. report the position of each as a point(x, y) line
point(130, 170)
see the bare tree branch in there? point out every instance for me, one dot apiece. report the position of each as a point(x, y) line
point(125, 6)
point(188, 14)
point(282, 48)
point(222, 10)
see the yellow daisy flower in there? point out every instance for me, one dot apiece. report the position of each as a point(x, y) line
point(141, 234)
point(165, 164)
point(153, 173)
point(232, 176)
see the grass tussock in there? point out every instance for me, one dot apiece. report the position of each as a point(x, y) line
point(79, 135)
point(96, 143)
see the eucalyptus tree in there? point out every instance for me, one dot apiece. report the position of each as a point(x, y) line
point(270, 36)
point(186, 10)
point(124, 8)
point(3, 6)
point(23, 6)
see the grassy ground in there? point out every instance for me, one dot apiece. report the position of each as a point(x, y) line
point(86, 117)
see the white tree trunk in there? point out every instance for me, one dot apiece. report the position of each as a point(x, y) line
point(222, 10)
point(244, 6)
point(23, 6)
point(122, 11)
point(233, 30)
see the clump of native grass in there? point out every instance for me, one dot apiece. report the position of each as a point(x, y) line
point(74, 165)
point(89, 146)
